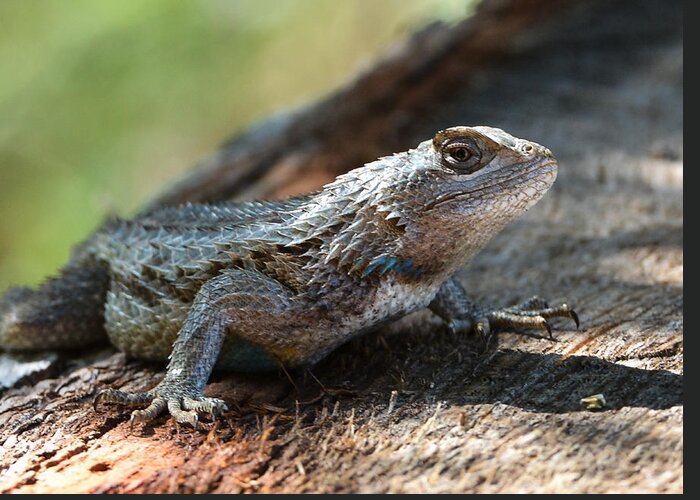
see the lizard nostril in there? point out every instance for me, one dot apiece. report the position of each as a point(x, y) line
point(528, 149)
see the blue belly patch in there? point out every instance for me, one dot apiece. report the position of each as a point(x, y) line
point(240, 355)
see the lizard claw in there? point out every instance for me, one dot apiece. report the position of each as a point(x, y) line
point(548, 327)
point(574, 316)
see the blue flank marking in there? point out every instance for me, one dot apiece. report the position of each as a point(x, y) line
point(386, 264)
point(373, 265)
point(390, 263)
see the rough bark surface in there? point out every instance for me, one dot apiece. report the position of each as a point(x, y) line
point(601, 84)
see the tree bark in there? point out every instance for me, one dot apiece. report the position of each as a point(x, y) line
point(600, 84)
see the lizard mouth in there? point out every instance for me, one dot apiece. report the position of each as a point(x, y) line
point(539, 171)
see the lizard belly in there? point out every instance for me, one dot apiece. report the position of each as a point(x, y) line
point(262, 340)
point(392, 300)
point(305, 337)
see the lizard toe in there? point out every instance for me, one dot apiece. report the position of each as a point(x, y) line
point(546, 312)
point(156, 407)
point(212, 406)
point(533, 313)
point(181, 415)
point(114, 396)
point(533, 303)
point(482, 327)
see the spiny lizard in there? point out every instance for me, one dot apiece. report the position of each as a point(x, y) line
point(254, 285)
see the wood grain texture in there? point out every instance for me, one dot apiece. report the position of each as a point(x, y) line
point(599, 83)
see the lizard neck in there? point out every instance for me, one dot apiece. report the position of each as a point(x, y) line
point(349, 225)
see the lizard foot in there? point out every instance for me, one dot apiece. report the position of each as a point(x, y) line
point(183, 404)
point(533, 313)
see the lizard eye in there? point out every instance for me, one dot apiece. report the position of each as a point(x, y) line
point(462, 156)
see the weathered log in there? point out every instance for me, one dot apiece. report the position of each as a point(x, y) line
point(598, 82)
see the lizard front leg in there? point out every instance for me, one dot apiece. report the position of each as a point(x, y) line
point(460, 314)
point(218, 305)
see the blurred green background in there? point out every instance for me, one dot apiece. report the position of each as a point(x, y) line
point(105, 102)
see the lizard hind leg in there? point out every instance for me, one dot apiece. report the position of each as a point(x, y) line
point(223, 302)
point(65, 312)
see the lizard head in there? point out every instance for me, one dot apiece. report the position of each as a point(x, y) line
point(483, 168)
point(465, 185)
point(432, 208)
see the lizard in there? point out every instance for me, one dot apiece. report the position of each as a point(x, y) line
point(252, 286)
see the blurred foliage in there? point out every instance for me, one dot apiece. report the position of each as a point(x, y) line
point(103, 102)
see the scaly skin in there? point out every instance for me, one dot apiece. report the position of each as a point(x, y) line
point(252, 286)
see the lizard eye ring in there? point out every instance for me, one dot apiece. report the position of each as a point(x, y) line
point(461, 156)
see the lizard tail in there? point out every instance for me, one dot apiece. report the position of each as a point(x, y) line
point(63, 313)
